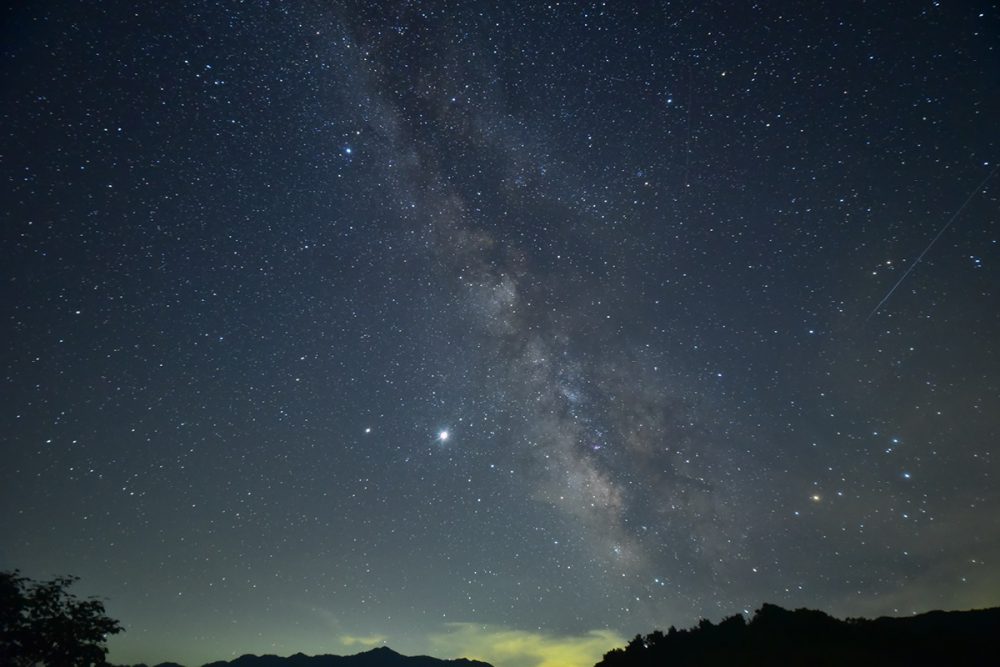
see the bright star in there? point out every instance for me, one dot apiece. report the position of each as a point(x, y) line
point(443, 436)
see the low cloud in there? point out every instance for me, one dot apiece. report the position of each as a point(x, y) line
point(503, 647)
point(362, 640)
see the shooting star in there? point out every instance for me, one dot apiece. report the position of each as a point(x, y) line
point(930, 245)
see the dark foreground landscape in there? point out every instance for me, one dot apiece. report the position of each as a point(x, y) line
point(377, 657)
point(776, 636)
point(773, 636)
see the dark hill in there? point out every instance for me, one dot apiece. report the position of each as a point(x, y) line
point(776, 636)
point(377, 657)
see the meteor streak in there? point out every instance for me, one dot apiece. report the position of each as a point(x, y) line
point(931, 244)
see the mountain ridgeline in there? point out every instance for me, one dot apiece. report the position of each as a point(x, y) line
point(776, 636)
point(377, 657)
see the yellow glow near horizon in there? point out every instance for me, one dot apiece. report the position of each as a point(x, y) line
point(504, 647)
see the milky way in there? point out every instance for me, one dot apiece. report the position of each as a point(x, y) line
point(501, 330)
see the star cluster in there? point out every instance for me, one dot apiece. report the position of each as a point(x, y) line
point(450, 324)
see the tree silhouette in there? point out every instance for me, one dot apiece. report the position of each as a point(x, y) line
point(776, 636)
point(41, 623)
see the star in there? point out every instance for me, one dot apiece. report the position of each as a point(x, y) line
point(645, 317)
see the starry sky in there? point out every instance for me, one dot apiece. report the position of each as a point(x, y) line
point(498, 329)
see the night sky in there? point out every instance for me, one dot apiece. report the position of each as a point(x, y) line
point(506, 330)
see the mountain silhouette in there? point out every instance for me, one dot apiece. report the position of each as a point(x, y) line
point(776, 636)
point(377, 657)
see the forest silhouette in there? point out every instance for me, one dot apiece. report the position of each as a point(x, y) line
point(777, 636)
